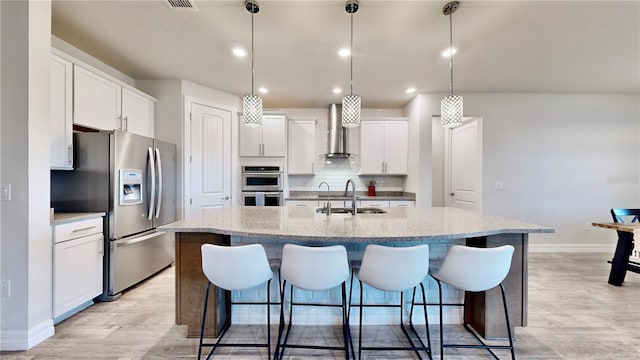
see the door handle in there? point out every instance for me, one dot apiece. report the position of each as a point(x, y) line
point(140, 239)
point(152, 193)
point(225, 198)
point(452, 194)
point(159, 182)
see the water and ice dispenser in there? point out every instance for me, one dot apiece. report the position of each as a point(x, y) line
point(131, 186)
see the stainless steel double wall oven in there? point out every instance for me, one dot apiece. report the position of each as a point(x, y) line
point(262, 185)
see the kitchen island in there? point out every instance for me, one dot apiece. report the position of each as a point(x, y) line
point(275, 226)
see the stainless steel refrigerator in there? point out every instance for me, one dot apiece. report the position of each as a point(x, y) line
point(132, 178)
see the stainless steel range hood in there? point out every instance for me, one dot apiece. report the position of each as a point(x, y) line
point(338, 140)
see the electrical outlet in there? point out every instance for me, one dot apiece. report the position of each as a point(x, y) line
point(5, 288)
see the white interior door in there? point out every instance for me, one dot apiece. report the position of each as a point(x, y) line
point(210, 163)
point(465, 166)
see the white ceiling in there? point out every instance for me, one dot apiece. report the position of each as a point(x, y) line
point(504, 46)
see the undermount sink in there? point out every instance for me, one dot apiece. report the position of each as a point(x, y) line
point(371, 210)
point(323, 210)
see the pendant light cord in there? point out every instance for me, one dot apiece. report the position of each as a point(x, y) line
point(252, 71)
point(451, 51)
point(351, 75)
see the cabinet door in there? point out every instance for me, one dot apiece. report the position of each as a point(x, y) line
point(96, 101)
point(402, 203)
point(396, 138)
point(371, 147)
point(302, 203)
point(250, 139)
point(60, 120)
point(274, 135)
point(374, 203)
point(77, 272)
point(137, 113)
point(301, 146)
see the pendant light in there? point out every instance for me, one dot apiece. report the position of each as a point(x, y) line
point(252, 104)
point(351, 103)
point(451, 105)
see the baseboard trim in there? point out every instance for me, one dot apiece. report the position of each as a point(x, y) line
point(16, 340)
point(571, 248)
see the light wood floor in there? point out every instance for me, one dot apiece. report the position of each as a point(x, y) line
point(573, 314)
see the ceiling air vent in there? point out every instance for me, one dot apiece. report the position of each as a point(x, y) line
point(181, 4)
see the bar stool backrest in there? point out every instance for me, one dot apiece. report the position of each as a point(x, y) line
point(314, 268)
point(476, 269)
point(394, 268)
point(235, 267)
point(625, 215)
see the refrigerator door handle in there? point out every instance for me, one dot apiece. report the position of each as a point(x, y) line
point(159, 183)
point(152, 195)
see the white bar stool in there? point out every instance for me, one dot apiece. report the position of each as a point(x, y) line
point(475, 269)
point(235, 268)
point(313, 269)
point(396, 269)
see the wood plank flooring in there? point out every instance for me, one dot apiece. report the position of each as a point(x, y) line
point(573, 314)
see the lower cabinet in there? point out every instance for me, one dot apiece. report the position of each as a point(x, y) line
point(302, 203)
point(77, 265)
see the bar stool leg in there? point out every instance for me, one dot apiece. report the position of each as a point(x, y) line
point(204, 319)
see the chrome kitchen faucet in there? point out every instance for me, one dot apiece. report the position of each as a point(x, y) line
point(327, 205)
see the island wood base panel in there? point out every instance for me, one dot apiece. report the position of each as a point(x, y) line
point(191, 285)
point(484, 310)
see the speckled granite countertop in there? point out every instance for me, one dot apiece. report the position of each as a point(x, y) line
point(398, 224)
point(63, 218)
point(361, 195)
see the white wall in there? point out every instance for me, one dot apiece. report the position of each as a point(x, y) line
point(419, 111)
point(564, 159)
point(26, 232)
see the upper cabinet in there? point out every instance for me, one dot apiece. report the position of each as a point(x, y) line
point(96, 100)
point(384, 147)
point(137, 113)
point(266, 140)
point(60, 119)
point(102, 104)
point(301, 147)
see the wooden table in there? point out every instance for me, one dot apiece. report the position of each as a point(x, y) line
point(620, 263)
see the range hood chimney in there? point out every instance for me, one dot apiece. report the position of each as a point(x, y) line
point(338, 135)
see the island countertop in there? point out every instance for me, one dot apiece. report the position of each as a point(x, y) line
point(398, 224)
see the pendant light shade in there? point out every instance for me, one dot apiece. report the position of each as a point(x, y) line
point(351, 103)
point(451, 109)
point(252, 110)
point(252, 104)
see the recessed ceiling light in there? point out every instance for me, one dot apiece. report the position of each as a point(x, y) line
point(449, 52)
point(263, 90)
point(410, 90)
point(337, 90)
point(344, 52)
point(239, 52)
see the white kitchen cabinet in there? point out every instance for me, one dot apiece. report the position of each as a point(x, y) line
point(302, 203)
point(137, 113)
point(402, 203)
point(96, 100)
point(374, 203)
point(384, 147)
point(77, 264)
point(60, 115)
point(301, 147)
point(269, 139)
point(102, 104)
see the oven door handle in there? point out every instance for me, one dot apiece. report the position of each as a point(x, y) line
point(266, 193)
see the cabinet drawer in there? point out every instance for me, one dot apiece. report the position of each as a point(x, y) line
point(77, 229)
point(374, 203)
point(302, 203)
point(402, 203)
